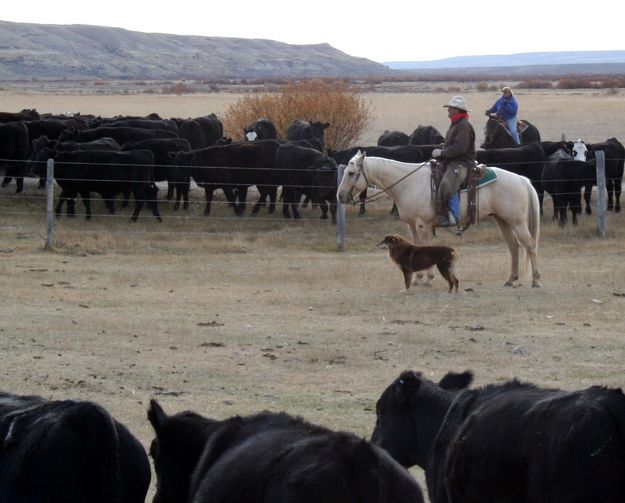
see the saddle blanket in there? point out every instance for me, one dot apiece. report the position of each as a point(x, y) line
point(487, 177)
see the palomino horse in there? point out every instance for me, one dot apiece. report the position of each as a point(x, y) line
point(510, 200)
point(496, 135)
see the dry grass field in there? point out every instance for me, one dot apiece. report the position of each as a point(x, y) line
point(231, 316)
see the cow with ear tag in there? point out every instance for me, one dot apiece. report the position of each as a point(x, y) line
point(512, 442)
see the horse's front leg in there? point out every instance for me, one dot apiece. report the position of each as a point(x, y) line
point(420, 233)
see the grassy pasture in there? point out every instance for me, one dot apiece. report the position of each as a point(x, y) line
point(231, 316)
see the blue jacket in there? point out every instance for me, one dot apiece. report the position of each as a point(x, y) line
point(505, 107)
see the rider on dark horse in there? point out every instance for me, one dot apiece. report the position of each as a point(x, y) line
point(455, 158)
point(507, 109)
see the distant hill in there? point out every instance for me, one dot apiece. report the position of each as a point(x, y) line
point(41, 51)
point(94, 52)
point(539, 63)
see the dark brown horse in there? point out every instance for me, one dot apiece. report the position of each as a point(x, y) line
point(496, 135)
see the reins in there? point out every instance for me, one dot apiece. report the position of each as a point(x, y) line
point(378, 195)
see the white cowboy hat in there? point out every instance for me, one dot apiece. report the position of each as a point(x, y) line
point(459, 103)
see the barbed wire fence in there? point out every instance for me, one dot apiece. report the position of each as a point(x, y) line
point(341, 214)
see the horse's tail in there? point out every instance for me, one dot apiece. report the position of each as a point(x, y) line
point(533, 216)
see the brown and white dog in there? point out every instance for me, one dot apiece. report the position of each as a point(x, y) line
point(411, 258)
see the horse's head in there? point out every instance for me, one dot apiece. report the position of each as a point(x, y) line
point(492, 130)
point(354, 179)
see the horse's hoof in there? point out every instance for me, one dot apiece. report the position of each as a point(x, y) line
point(536, 284)
point(509, 284)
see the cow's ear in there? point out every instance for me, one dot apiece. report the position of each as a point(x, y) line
point(409, 381)
point(453, 380)
point(326, 125)
point(156, 415)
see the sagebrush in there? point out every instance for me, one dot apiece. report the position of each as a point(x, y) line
point(335, 102)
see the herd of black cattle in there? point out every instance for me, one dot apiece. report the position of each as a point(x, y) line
point(127, 155)
point(512, 442)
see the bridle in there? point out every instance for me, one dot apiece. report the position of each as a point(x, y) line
point(361, 171)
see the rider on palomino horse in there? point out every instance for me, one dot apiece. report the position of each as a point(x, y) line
point(455, 157)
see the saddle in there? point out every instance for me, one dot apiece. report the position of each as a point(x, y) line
point(477, 177)
point(521, 125)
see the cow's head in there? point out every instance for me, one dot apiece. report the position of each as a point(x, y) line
point(409, 413)
point(175, 451)
point(579, 151)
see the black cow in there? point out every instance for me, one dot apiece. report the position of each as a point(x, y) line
point(303, 130)
point(564, 178)
point(269, 458)
point(163, 166)
point(426, 135)
point(232, 168)
point(166, 124)
point(24, 115)
point(262, 129)
point(67, 451)
point(120, 134)
point(191, 130)
point(392, 138)
point(551, 147)
point(511, 442)
point(525, 160)
point(14, 149)
point(212, 128)
point(403, 153)
point(106, 172)
point(303, 170)
point(614, 162)
point(43, 142)
point(42, 146)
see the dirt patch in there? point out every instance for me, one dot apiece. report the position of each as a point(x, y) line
point(231, 316)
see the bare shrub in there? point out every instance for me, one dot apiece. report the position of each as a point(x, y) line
point(178, 88)
point(330, 101)
point(481, 86)
point(535, 84)
point(576, 83)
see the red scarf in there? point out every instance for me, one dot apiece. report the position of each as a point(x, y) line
point(458, 116)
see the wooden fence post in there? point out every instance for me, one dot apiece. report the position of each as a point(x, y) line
point(340, 213)
point(601, 191)
point(49, 204)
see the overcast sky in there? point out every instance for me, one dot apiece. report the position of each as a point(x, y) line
point(381, 31)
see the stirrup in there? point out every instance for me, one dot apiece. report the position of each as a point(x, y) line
point(445, 220)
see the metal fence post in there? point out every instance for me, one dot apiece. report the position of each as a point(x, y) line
point(340, 213)
point(601, 191)
point(49, 204)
